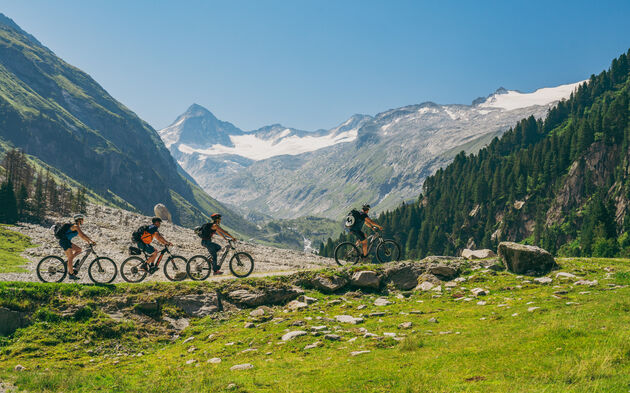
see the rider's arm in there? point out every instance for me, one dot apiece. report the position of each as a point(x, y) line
point(224, 233)
point(162, 240)
point(372, 224)
point(83, 235)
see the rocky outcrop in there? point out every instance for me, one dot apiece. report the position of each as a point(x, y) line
point(404, 276)
point(266, 296)
point(11, 320)
point(328, 284)
point(199, 305)
point(524, 259)
point(366, 279)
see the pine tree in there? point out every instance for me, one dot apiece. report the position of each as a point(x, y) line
point(39, 199)
point(8, 205)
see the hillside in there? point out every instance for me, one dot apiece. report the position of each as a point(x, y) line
point(60, 115)
point(382, 160)
point(561, 182)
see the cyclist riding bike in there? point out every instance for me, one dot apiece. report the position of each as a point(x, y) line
point(68, 232)
point(206, 231)
point(143, 237)
point(356, 229)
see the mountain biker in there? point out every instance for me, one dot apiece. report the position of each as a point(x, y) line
point(72, 250)
point(356, 229)
point(207, 231)
point(146, 237)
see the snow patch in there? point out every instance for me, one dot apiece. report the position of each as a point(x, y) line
point(512, 99)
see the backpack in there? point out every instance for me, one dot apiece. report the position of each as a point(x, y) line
point(204, 231)
point(60, 229)
point(139, 234)
point(352, 219)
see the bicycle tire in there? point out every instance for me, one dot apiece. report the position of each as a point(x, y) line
point(198, 268)
point(242, 259)
point(134, 272)
point(100, 265)
point(58, 265)
point(346, 253)
point(388, 251)
point(178, 270)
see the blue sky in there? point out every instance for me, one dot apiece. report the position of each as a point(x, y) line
point(312, 64)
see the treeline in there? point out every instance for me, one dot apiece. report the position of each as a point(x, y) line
point(27, 194)
point(560, 183)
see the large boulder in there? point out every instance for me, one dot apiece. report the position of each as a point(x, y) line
point(366, 279)
point(444, 272)
point(478, 254)
point(404, 276)
point(161, 211)
point(11, 320)
point(523, 259)
point(259, 297)
point(328, 284)
point(200, 305)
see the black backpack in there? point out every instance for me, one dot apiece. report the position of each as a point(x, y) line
point(204, 231)
point(60, 229)
point(352, 219)
point(136, 236)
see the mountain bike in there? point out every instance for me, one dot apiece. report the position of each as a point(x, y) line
point(387, 250)
point(102, 270)
point(132, 269)
point(241, 264)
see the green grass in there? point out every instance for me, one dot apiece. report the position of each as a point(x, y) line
point(12, 244)
point(576, 341)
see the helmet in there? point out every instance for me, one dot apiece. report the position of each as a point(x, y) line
point(215, 216)
point(366, 207)
point(78, 217)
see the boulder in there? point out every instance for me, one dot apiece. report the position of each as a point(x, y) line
point(296, 305)
point(348, 319)
point(366, 279)
point(425, 286)
point(444, 272)
point(524, 259)
point(200, 305)
point(161, 211)
point(307, 299)
point(267, 296)
point(478, 254)
point(11, 320)
point(404, 276)
point(291, 335)
point(328, 284)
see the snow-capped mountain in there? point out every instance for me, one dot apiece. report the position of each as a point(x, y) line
point(381, 160)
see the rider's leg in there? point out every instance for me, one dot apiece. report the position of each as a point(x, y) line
point(213, 248)
point(364, 243)
point(152, 257)
point(71, 253)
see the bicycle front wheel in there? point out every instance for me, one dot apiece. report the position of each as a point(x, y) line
point(241, 264)
point(388, 251)
point(51, 269)
point(198, 268)
point(102, 270)
point(175, 268)
point(131, 269)
point(346, 254)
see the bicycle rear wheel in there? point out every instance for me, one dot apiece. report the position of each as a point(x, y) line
point(131, 269)
point(346, 253)
point(52, 269)
point(388, 251)
point(241, 264)
point(198, 268)
point(102, 270)
point(175, 268)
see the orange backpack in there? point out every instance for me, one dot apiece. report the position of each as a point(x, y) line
point(146, 237)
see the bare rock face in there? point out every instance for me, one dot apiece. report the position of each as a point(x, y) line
point(478, 254)
point(366, 279)
point(404, 276)
point(161, 211)
point(523, 259)
point(11, 320)
point(268, 296)
point(328, 284)
point(198, 305)
point(444, 272)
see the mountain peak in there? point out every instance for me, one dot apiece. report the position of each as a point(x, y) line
point(8, 22)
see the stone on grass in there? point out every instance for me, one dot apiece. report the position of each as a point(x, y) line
point(481, 303)
point(190, 361)
point(586, 282)
point(328, 284)
point(444, 272)
point(361, 306)
point(405, 325)
point(318, 328)
point(307, 299)
point(524, 259)
point(214, 360)
point(19, 367)
point(376, 314)
point(293, 334)
point(478, 254)
point(249, 325)
point(479, 292)
point(356, 353)
point(433, 320)
point(404, 276)
point(296, 305)
point(381, 301)
point(543, 280)
point(332, 337)
point(189, 339)
point(313, 345)
point(348, 319)
point(425, 286)
point(532, 309)
point(366, 279)
point(565, 275)
point(244, 366)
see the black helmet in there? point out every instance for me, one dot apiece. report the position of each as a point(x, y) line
point(366, 207)
point(215, 216)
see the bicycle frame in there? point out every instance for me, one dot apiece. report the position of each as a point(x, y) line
point(160, 255)
point(375, 238)
point(229, 247)
point(77, 264)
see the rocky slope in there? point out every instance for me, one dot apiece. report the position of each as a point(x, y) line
point(381, 160)
point(111, 228)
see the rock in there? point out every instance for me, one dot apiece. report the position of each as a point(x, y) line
point(161, 211)
point(192, 349)
point(361, 306)
point(433, 320)
point(366, 279)
point(450, 284)
point(405, 325)
point(376, 314)
point(478, 254)
point(561, 292)
point(425, 286)
point(318, 328)
point(381, 301)
point(19, 367)
point(565, 275)
point(266, 296)
point(404, 276)
point(191, 361)
point(151, 309)
point(249, 325)
point(313, 345)
point(296, 305)
point(524, 259)
point(189, 339)
point(11, 320)
point(231, 386)
point(348, 319)
point(437, 289)
point(307, 299)
point(332, 337)
point(481, 303)
point(444, 272)
point(291, 335)
point(177, 324)
point(586, 282)
point(424, 277)
point(214, 360)
point(198, 306)
point(328, 284)
point(356, 353)
point(543, 280)
point(261, 311)
point(495, 265)
point(532, 309)
point(244, 366)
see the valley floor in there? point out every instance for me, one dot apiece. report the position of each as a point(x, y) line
point(565, 334)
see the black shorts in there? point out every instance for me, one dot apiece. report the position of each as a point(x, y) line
point(65, 243)
point(358, 233)
point(145, 247)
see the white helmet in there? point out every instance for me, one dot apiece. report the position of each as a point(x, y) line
point(78, 217)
